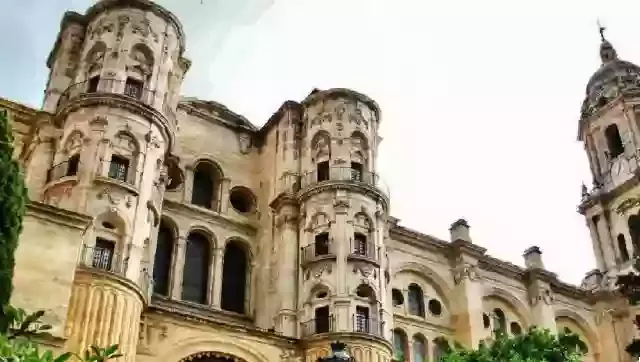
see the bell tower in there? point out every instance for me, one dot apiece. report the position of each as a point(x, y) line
point(334, 211)
point(114, 86)
point(610, 133)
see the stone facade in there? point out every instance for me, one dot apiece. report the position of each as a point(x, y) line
point(179, 230)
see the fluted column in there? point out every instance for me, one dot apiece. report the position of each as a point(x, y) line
point(103, 310)
point(217, 277)
point(178, 268)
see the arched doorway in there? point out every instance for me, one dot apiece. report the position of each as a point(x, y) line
point(209, 357)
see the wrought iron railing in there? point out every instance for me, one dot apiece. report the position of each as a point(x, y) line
point(346, 174)
point(106, 85)
point(317, 326)
point(368, 325)
point(317, 251)
point(364, 249)
point(63, 169)
point(103, 258)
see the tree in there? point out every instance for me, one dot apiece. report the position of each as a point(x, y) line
point(536, 345)
point(16, 344)
point(13, 199)
point(629, 286)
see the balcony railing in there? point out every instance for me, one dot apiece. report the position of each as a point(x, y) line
point(364, 249)
point(317, 251)
point(346, 174)
point(103, 258)
point(107, 259)
point(317, 326)
point(368, 325)
point(106, 85)
point(63, 169)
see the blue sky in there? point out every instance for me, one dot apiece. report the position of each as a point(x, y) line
point(480, 100)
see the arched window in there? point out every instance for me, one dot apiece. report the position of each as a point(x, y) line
point(614, 141)
point(195, 277)
point(622, 246)
point(72, 165)
point(634, 230)
point(416, 300)
point(499, 321)
point(399, 345)
point(440, 348)
point(396, 297)
point(234, 278)
point(162, 260)
point(206, 183)
point(419, 349)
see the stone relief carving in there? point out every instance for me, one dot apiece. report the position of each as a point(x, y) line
point(322, 146)
point(95, 61)
point(140, 63)
point(464, 271)
point(115, 200)
point(361, 220)
point(123, 20)
point(366, 270)
point(244, 140)
point(339, 110)
point(151, 333)
point(317, 271)
point(326, 117)
point(541, 294)
point(126, 142)
point(104, 25)
point(75, 140)
point(142, 26)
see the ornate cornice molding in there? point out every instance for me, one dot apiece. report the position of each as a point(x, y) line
point(58, 215)
point(123, 102)
point(360, 187)
point(207, 216)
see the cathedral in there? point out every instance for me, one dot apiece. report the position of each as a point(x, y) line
point(179, 230)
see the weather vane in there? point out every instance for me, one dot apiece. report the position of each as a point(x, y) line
point(601, 29)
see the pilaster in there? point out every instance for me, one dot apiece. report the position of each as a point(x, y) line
point(178, 267)
point(604, 230)
point(467, 294)
point(597, 245)
point(223, 202)
point(539, 289)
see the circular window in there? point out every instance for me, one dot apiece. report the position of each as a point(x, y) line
point(396, 297)
point(321, 294)
point(242, 200)
point(108, 225)
point(486, 321)
point(435, 307)
point(515, 328)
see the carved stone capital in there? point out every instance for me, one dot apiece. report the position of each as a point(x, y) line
point(290, 221)
point(541, 294)
point(465, 271)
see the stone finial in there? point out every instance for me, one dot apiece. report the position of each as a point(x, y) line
point(533, 258)
point(459, 230)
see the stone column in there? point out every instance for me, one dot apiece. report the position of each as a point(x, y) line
point(217, 278)
point(467, 294)
point(597, 245)
point(287, 238)
point(602, 222)
point(539, 289)
point(187, 190)
point(341, 240)
point(614, 329)
point(178, 268)
point(223, 196)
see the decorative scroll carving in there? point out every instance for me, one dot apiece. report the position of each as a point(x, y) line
point(142, 26)
point(114, 199)
point(541, 294)
point(104, 25)
point(151, 333)
point(366, 270)
point(464, 271)
point(317, 271)
point(123, 20)
point(244, 140)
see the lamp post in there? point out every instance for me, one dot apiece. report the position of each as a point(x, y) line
point(338, 353)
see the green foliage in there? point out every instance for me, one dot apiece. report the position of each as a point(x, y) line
point(16, 345)
point(537, 345)
point(13, 199)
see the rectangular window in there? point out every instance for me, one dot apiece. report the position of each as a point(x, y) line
point(72, 166)
point(362, 322)
point(92, 86)
point(103, 254)
point(133, 88)
point(322, 244)
point(322, 319)
point(119, 168)
point(356, 171)
point(323, 171)
point(360, 244)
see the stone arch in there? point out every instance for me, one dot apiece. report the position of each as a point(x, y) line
point(237, 276)
point(207, 183)
point(206, 231)
point(125, 140)
point(166, 245)
point(362, 220)
point(74, 140)
point(209, 160)
point(585, 326)
point(319, 219)
point(519, 308)
point(320, 146)
point(431, 276)
point(359, 148)
point(242, 243)
point(315, 289)
point(141, 61)
point(368, 291)
point(117, 219)
point(189, 346)
point(94, 59)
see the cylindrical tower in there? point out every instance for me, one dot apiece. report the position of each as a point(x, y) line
point(342, 212)
point(117, 125)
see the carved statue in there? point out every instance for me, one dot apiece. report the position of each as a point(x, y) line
point(95, 61)
point(140, 63)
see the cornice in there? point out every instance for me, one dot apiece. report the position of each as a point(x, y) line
point(123, 102)
point(360, 187)
point(283, 199)
point(242, 123)
point(182, 313)
point(22, 113)
point(208, 215)
point(58, 215)
point(422, 322)
point(604, 198)
point(317, 95)
point(145, 5)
